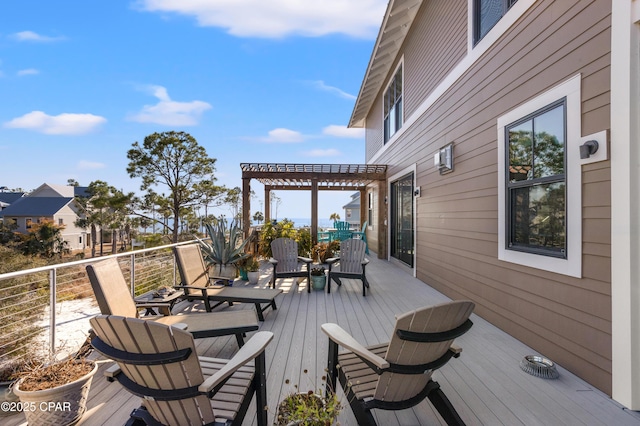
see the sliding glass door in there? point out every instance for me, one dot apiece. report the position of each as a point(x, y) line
point(402, 243)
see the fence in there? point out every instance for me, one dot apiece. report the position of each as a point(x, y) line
point(43, 309)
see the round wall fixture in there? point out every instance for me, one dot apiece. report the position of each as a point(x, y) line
point(539, 366)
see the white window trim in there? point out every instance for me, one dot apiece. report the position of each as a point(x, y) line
point(572, 265)
point(386, 87)
point(474, 53)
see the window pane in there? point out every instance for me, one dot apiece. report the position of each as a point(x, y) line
point(521, 151)
point(549, 143)
point(538, 217)
point(490, 13)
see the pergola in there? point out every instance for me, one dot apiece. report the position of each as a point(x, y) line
point(314, 178)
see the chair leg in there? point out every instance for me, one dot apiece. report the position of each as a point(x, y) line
point(239, 339)
point(444, 407)
point(261, 390)
point(363, 415)
point(332, 368)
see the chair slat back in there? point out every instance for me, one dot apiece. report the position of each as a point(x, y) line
point(433, 319)
point(351, 255)
point(193, 271)
point(285, 251)
point(343, 231)
point(145, 337)
point(111, 289)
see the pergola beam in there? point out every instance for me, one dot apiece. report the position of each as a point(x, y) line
point(314, 178)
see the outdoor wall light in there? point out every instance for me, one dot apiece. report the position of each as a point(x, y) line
point(588, 148)
point(443, 159)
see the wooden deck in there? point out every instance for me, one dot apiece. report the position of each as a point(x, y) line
point(485, 384)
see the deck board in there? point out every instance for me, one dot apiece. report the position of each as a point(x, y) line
point(485, 384)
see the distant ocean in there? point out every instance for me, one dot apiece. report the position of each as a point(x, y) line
point(302, 222)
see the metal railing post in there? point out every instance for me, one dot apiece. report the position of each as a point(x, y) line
point(52, 309)
point(132, 275)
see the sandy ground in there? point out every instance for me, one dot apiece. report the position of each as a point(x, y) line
point(72, 319)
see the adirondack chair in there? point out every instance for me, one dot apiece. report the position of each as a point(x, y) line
point(196, 284)
point(362, 235)
point(343, 231)
point(398, 375)
point(114, 298)
point(159, 363)
point(286, 262)
point(352, 264)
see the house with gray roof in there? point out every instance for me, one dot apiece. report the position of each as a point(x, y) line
point(55, 203)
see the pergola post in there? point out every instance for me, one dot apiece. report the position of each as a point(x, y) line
point(363, 207)
point(267, 204)
point(314, 211)
point(246, 206)
point(382, 220)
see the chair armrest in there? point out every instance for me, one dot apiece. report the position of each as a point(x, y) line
point(365, 262)
point(344, 339)
point(111, 372)
point(251, 349)
point(457, 350)
point(180, 326)
point(153, 305)
point(332, 260)
point(305, 259)
point(273, 261)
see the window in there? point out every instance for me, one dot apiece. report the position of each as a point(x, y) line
point(393, 106)
point(536, 186)
point(486, 13)
point(60, 221)
point(28, 222)
point(370, 210)
point(540, 181)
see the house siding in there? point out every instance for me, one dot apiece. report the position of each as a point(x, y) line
point(567, 319)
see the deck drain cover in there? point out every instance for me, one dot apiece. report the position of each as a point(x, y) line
point(539, 366)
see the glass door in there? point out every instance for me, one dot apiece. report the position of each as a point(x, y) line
point(402, 244)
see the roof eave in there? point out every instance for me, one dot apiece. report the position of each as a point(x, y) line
point(397, 21)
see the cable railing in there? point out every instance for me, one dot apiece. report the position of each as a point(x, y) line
point(42, 309)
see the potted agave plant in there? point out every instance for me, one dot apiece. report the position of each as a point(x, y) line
point(56, 393)
point(225, 247)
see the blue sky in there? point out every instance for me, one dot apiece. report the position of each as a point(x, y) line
point(251, 80)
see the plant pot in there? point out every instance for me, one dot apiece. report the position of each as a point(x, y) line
point(225, 271)
point(253, 277)
point(243, 274)
point(290, 416)
point(318, 282)
point(62, 405)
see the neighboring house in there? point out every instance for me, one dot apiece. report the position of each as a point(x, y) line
point(352, 211)
point(55, 203)
point(480, 110)
point(8, 198)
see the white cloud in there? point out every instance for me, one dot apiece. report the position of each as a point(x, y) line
point(331, 152)
point(62, 124)
point(90, 165)
point(168, 112)
point(343, 132)
point(282, 135)
point(35, 37)
point(279, 18)
point(29, 71)
point(319, 84)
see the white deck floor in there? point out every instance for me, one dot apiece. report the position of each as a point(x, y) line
point(485, 384)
